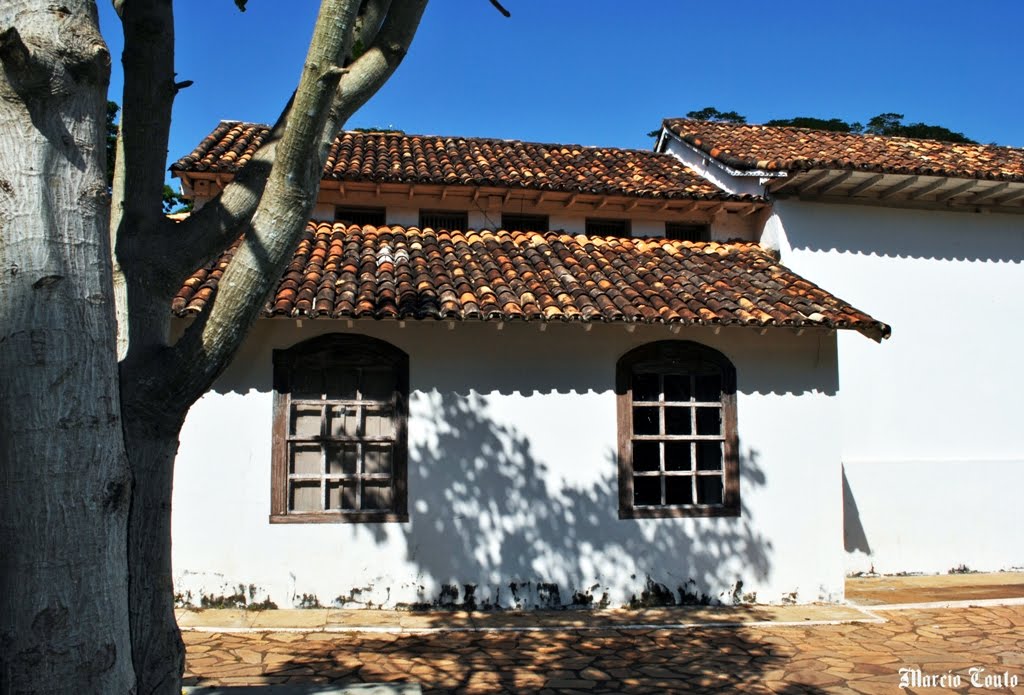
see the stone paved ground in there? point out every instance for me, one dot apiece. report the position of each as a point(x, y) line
point(846, 658)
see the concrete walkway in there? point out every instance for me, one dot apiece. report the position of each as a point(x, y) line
point(787, 649)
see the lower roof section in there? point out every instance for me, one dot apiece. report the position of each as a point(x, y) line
point(407, 273)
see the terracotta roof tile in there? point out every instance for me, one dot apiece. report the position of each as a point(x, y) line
point(743, 146)
point(407, 273)
point(400, 158)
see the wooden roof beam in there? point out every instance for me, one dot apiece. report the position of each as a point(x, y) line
point(901, 186)
point(988, 192)
point(782, 183)
point(813, 181)
point(956, 191)
point(934, 185)
point(1019, 193)
point(865, 185)
point(837, 181)
point(572, 200)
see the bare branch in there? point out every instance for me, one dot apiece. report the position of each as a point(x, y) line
point(501, 8)
point(275, 227)
point(207, 232)
point(368, 24)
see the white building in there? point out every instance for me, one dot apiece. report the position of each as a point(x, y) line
point(929, 236)
point(580, 416)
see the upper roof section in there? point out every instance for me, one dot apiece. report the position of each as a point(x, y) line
point(408, 273)
point(773, 147)
point(768, 148)
point(825, 166)
point(389, 157)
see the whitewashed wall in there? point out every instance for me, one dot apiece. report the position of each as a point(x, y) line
point(932, 436)
point(512, 478)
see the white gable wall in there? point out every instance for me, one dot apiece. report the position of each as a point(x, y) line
point(512, 478)
point(932, 442)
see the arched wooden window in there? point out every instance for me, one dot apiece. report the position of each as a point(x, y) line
point(677, 432)
point(340, 411)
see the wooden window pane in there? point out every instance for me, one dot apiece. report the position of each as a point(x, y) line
point(646, 456)
point(305, 496)
point(677, 387)
point(646, 491)
point(342, 421)
point(342, 459)
point(378, 422)
point(709, 456)
point(305, 459)
point(709, 421)
point(677, 421)
point(341, 496)
point(709, 489)
point(679, 489)
point(378, 384)
point(376, 497)
point(307, 382)
point(708, 387)
point(645, 421)
point(340, 384)
point(377, 459)
point(646, 387)
point(306, 421)
point(677, 456)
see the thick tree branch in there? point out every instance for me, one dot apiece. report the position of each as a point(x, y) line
point(189, 368)
point(207, 232)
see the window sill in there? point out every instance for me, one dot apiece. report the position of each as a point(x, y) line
point(339, 518)
point(677, 512)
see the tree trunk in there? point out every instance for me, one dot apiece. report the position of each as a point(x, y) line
point(157, 650)
point(64, 481)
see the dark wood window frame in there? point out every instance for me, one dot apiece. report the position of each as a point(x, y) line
point(601, 226)
point(360, 216)
point(677, 359)
point(447, 220)
point(516, 222)
point(686, 231)
point(349, 352)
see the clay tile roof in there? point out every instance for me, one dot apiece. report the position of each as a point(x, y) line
point(407, 273)
point(400, 158)
point(743, 146)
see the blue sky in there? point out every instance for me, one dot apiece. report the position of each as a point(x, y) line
point(605, 72)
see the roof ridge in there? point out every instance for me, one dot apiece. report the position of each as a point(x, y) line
point(840, 133)
point(477, 138)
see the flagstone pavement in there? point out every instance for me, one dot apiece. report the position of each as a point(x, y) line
point(753, 657)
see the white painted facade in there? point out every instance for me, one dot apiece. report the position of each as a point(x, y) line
point(932, 441)
point(512, 477)
point(931, 420)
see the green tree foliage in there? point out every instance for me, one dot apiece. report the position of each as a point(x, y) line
point(836, 125)
point(892, 124)
point(710, 113)
point(883, 124)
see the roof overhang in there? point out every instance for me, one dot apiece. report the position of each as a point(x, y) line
point(901, 190)
point(731, 171)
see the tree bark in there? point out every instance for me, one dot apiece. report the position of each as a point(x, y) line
point(64, 481)
point(158, 653)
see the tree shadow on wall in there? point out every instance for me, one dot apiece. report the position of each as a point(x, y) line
point(493, 526)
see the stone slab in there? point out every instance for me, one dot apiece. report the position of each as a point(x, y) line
point(938, 588)
point(309, 689)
